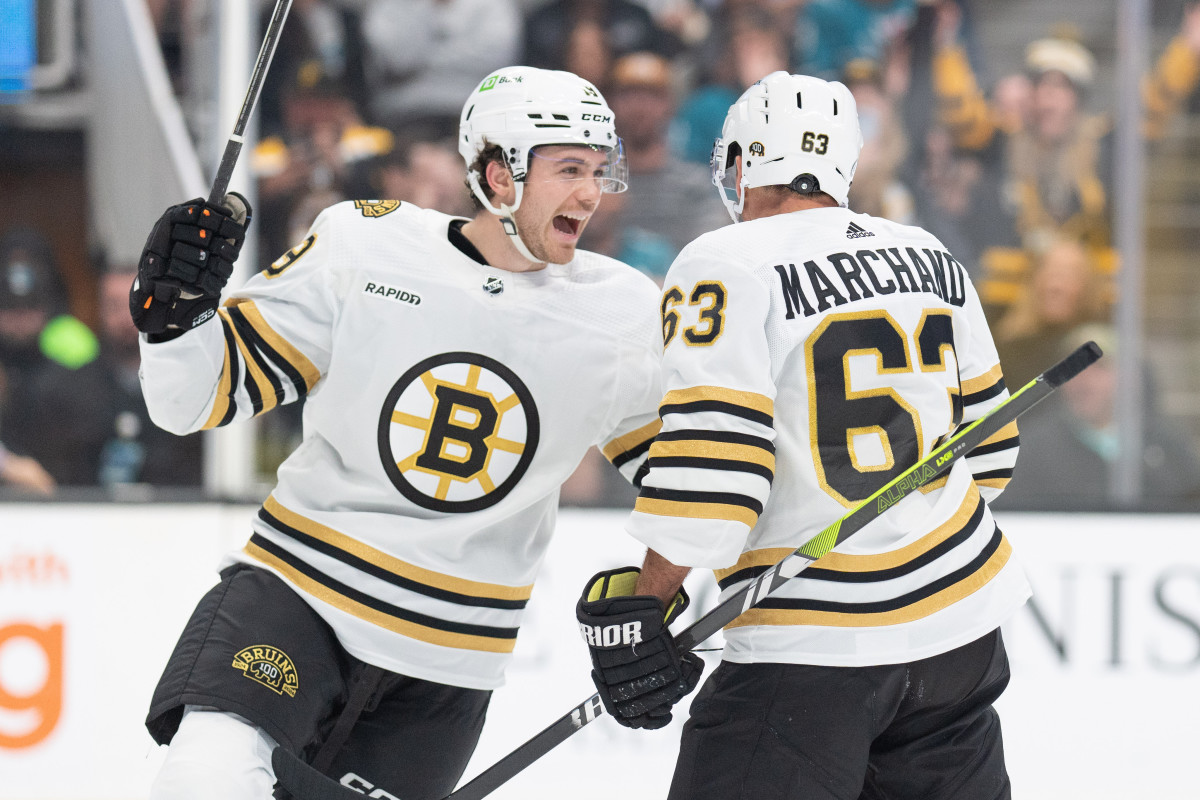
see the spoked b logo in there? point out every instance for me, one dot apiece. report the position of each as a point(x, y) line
point(457, 432)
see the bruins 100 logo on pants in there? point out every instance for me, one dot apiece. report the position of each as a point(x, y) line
point(457, 432)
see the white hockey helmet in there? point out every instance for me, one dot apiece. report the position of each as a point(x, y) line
point(520, 108)
point(785, 127)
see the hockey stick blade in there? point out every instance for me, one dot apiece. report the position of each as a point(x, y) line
point(307, 784)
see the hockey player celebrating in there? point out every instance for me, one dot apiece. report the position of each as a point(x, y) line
point(812, 355)
point(456, 371)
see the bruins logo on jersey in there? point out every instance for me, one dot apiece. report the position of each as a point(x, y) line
point(457, 432)
point(376, 208)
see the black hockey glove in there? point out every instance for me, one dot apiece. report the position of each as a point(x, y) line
point(636, 668)
point(187, 260)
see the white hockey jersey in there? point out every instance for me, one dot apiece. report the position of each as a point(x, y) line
point(810, 358)
point(446, 403)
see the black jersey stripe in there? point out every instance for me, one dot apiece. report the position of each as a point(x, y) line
point(994, 474)
point(636, 443)
point(699, 462)
point(233, 363)
point(249, 338)
point(816, 572)
point(986, 393)
point(719, 498)
point(377, 571)
point(723, 437)
point(995, 447)
point(367, 600)
point(895, 603)
point(638, 451)
point(252, 336)
point(698, 406)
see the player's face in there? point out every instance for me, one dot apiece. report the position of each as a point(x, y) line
point(562, 190)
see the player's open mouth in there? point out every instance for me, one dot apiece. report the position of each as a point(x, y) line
point(570, 225)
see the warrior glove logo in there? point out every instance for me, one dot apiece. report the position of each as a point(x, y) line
point(457, 432)
point(269, 666)
point(625, 634)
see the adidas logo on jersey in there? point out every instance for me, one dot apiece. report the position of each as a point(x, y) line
point(856, 231)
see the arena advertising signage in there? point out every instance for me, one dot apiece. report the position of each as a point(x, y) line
point(1105, 658)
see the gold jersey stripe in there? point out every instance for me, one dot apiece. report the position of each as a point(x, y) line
point(392, 564)
point(985, 380)
point(846, 562)
point(1009, 431)
point(696, 394)
point(677, 508)
point(993, 483)
point(413, 630)
point(300, 362)
point(623, 444)
point(910, 613)
point(933, 486)
point(266, 389)
point(702, 448)
point(224, 386)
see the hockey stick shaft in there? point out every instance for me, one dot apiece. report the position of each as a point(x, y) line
point(233, 147)
point(308, 784)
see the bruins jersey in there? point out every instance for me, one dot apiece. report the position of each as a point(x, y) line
point(446, 403)
point(810, 359)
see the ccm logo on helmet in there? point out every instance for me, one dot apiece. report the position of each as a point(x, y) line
point(611, 635)
point(596, 118)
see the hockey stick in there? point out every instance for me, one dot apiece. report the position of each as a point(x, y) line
point(306, 783)
point(233, 147)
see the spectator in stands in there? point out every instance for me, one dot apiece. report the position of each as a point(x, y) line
point(667, 196)
point(745, 43)
point(424, 172)
point(424, 56)
point(319, 159)
point(321, 37)
point(1064, 292)
point(877, 187)
point(41, 350)
point(831, 33)
point(130, 448)
point(587, 36)
point(1056, 168)
point(1070, 443)
point(612, 232)
point(24, 473)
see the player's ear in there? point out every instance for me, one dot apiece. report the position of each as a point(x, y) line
point(500, 180)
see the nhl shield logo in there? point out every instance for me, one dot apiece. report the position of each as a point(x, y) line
point(493, 285)
point(269, 666)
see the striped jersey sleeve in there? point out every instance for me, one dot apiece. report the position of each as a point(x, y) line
point(268, 346)
point(712, 464)
point(981, 382)
point(633, 423)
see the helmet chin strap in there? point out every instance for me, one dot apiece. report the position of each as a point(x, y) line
point(507, 215)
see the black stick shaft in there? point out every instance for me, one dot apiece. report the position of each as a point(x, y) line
point(233, 147)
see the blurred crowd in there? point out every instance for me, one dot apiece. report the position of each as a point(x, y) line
point(1012, 171)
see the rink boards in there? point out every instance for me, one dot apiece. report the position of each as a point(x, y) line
point(1103, 701)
